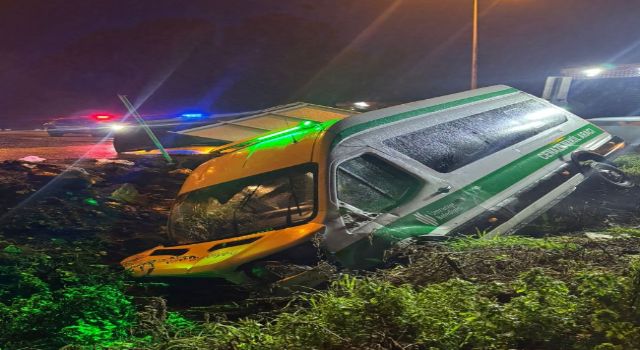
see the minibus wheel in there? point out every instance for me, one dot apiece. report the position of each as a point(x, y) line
point(612, 175)
point(583, 159)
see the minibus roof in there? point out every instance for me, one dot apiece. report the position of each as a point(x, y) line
point(356, 124)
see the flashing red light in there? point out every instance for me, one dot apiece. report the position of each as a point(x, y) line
point(102, 116)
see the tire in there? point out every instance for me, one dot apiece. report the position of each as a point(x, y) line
point(611, 175)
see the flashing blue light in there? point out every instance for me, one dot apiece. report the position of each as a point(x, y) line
point(182, 151)
point(193, 115)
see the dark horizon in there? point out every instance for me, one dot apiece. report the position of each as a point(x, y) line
point(59, 58)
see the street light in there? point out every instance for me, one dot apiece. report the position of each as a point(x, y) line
point(474, 49)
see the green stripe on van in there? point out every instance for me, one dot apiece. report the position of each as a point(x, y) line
point(488, 186)
point(418, 112)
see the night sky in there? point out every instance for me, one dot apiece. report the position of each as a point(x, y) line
point(61, 58)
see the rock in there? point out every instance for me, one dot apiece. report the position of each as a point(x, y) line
point(127, 193)
point(74, 179)
point(70, 179)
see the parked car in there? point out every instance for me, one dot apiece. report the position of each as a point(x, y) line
point(488, 160)
point(98, 124)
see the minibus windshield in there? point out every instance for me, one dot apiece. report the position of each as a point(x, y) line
point(271, 200)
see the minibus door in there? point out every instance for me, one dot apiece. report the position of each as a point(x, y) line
point(375, 193)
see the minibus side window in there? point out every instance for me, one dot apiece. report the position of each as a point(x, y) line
point(449, 146)
point(371, 184)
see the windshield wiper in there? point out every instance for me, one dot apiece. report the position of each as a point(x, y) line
point(295, 198)
point(244, 201)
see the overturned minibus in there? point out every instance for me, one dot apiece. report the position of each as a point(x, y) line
point(488, 160)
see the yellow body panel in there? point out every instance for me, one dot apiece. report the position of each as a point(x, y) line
point(262, 157)
point(198, 261)
point(246, 159)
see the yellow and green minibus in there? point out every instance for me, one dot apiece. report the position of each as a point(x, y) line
point(487, 160)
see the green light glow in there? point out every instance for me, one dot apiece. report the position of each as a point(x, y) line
point(91, 201)
point(12, 249)
point(303, 128)
point(257, 271)
point(285, 131)
point(304, 125)
point(284, 139)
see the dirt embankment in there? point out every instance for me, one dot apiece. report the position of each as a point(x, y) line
point(117, 208)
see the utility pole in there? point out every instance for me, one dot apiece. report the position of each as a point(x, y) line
point(474, 49)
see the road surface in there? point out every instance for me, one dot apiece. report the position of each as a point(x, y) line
point(18, 144)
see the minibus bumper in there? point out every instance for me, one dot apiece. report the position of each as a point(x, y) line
point(228, 258)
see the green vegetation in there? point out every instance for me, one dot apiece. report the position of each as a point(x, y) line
point(502, 293)
point(480, 241)
point(47, 303)
point(623, 231)
point(630, 164)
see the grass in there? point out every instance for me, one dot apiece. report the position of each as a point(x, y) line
point(588, 309)
point(630, 164)
point(480, 241)
point(501, 293)
point(506, 293)
point(623, 231)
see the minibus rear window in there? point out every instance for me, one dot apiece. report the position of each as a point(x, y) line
point(452, 145)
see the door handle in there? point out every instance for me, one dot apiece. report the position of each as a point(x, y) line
point(443, 190)
point(439, 191)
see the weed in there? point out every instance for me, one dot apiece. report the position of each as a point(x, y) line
point(630, 164)
point(620, 231)
point(480, 241)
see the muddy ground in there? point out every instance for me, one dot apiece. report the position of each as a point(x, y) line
point(99, 213)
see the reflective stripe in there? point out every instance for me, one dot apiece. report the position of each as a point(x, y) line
point(488, 186)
